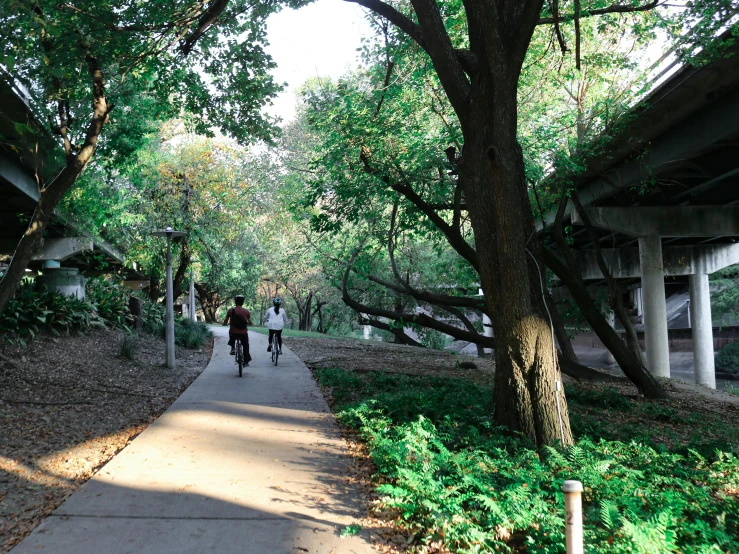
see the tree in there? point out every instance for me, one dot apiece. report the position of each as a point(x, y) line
point(82, 60)
point(479, 69)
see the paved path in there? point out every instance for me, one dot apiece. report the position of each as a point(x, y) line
point(250, 465)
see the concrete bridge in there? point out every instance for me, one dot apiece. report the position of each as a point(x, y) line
point(666, 200)
point(26, 156)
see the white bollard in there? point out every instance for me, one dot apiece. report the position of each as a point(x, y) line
point(573, 516)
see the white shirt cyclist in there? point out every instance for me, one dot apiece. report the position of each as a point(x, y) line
point(275, 321)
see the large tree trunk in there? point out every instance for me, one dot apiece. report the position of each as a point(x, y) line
point(209, 302)
point(179, 276)
point(529, 397)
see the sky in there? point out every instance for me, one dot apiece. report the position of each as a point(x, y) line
point(320, 39)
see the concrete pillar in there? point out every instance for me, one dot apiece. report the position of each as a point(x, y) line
point(487, 330)
point(639, 304)
point(700, 312)
point(67, 281)
point(655, 309)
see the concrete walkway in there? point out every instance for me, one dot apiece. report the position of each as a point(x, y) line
point(250, 465)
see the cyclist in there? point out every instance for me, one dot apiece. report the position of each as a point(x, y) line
point(239, 317)
point(276, 320)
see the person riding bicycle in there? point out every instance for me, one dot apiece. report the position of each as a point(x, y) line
point(239, 317)
point(276, 320)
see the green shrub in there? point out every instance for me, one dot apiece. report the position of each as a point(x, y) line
point(453, 477)
point(32, 310)
point(110, 300)
point(187, 333)
point(431, 338)
point(129, 346)
point(727, 360)
point(153, 317)
point(190, 334)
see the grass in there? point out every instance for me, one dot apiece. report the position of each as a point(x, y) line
point(658, 478)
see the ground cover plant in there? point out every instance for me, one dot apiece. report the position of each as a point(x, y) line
point(727, 360)
point(657, 478)
point(187, 333)
point(34, 310)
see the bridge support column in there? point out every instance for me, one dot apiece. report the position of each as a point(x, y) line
point(700, 314)
point(487, 330)
point(655, 309)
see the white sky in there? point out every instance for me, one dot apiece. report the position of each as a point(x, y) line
point(320, 39)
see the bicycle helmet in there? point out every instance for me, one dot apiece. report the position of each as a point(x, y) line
point(277, 301)
point(239, 299)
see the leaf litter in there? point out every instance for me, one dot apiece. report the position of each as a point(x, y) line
point(67, 406)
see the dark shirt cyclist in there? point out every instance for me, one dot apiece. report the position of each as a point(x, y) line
point(239, 317)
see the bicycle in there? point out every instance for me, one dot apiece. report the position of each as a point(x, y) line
point(239, 355)
point(275, 348)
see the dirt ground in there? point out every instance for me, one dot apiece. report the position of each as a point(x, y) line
point(359, 355)
point(67, 406)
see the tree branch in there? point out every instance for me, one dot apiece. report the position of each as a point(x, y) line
point(403, 22)
point(455, 238)
point(208, 18)
point(614, 8)
point(418, 319)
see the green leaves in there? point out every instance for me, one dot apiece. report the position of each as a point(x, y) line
point(455, 479)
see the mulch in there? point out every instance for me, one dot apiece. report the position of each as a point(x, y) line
point(67, 406)
point(363, 355)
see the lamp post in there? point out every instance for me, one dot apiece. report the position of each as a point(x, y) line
point(169, 355)
point(192, 293)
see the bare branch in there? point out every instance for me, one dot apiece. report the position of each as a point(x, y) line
point(614, 8)
point(403, 22)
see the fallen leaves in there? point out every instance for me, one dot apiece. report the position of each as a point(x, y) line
point(68, 406)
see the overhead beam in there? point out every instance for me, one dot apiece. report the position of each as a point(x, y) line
point(623, 263)
point(714, 122)
point(52, 249)
point(673, 221)
point(18, 178)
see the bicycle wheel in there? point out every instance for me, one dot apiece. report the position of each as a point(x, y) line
point(240, 357)
point(275, 348)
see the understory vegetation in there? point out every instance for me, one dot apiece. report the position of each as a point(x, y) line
point(656, 478)
point(727, 360)
point(35, 310)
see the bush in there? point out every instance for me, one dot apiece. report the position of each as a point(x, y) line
point(31, 311)
point(110, 300)
point(727, 360)
point(453, 478)
point(190, 334)
point(129, 346)
point(187, 333)
point(153, 317)
point(431, 338)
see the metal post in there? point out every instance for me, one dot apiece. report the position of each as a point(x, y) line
point(169, 360)
point(690, 324)
point(192, 294)
point(573, 516)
